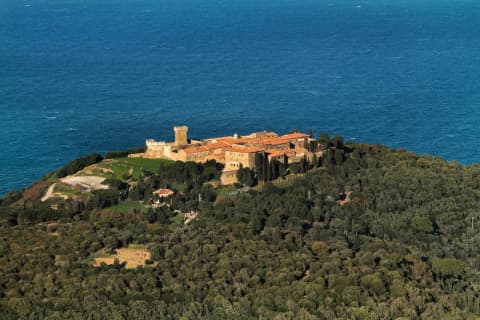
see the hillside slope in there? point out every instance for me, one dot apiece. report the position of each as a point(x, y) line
point(403, 245)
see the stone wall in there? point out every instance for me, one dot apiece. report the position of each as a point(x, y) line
point(228, 177)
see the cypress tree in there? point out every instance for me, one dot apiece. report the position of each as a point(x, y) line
point(315, 161)
point(267, 174)
point(259, 166)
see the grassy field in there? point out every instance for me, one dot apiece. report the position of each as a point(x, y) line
point(134, 256)
point(124, 168)
point(63, 189)
point(223, 190)
point(177, 219)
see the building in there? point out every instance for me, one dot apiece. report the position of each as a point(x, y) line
point(163, 193)
point(181, 134)
point(233, 151)
point(237, 157)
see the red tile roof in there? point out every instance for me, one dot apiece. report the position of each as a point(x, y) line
point(261, 134)
point(252, 143)
point(218, 145)
point(163, 192)
point(273, 141)
point(245, 150)
point(195, 149)
point(279, 152)
point(295, 135)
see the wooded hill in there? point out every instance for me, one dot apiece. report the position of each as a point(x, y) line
point(366, 233)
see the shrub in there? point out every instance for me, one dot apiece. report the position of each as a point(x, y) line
point(448, 267)
point(10, 198)
point(123, 154)
point(78, 164)
point(422, 224)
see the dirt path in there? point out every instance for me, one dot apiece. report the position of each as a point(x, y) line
point(49, 193)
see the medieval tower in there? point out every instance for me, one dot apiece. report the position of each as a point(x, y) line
point(180, 135)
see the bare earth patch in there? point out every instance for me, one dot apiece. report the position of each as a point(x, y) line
point(49, 193)
point(345, 199)
point(134, 257)
point(90, 170)
point(88, 182)
point(190, 216)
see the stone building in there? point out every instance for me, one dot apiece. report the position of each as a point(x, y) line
point(168, 150)
point(233, 151)
point(237, 157)
point(181, 133)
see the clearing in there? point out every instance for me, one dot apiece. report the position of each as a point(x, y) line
point(134, 256)
point(72, 186)
point(88, 183)
point(92, 177)
point(344, 199)
point(124, 168)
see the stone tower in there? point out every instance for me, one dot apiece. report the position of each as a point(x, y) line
point(180, 135)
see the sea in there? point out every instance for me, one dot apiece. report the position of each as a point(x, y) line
point(83, 76)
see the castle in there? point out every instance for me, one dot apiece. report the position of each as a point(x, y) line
point(232, 151)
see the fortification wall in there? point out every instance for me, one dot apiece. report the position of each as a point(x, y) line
point(155, 149)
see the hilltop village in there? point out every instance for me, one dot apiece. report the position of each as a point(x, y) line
point(235, 151)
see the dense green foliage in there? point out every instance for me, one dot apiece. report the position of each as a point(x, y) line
point(266, 170)
point(403, 244)
point(78, 164)
point(123, 154)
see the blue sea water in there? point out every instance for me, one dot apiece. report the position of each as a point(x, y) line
point(90, 75)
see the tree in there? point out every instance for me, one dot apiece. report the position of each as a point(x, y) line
point(422, 224)
point(262, 166)
point(303, 165)
point(10, 198)
point(337, 142)
point(324, 138)
point(78, 164)
point(105, 198)
point(246, 176)
point(448, 267)
point(339, 156)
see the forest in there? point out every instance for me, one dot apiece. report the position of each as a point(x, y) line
point(365, 232)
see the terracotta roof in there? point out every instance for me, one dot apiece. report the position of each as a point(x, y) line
point(273, 141)
point(163, 192)
point(295, 135)
point(253, 143)
point(219, 138)
point(261, 134)
point(195, 149)
point(269, 134)
point(233, 140)
point(245, 150)
point(217, 145)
